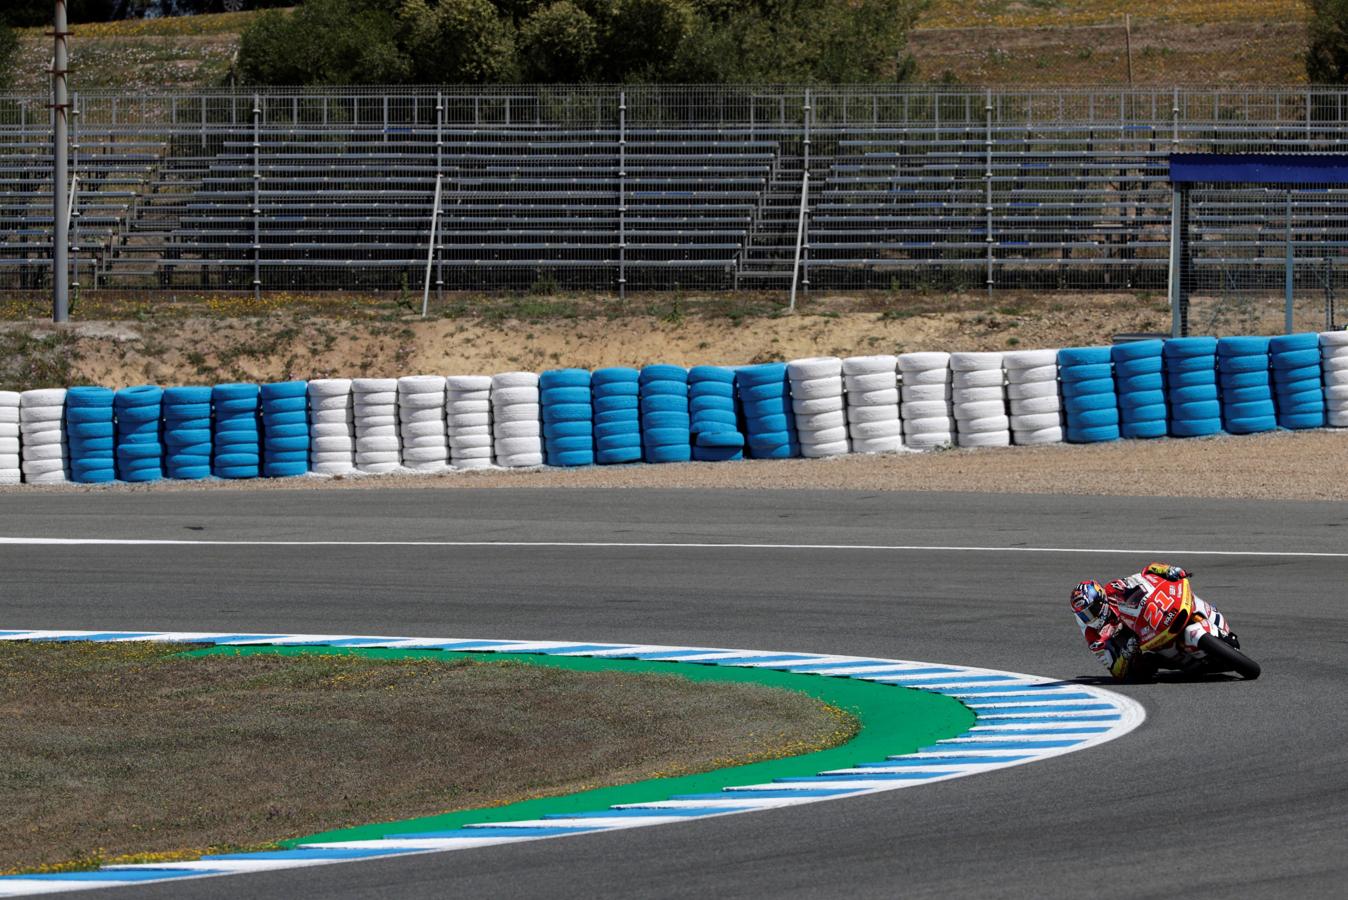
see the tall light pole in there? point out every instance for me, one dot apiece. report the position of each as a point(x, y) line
point(60, 104)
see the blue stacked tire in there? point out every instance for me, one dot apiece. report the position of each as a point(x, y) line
point(568, 417)
point(1140, 381)
point(1246, 385)
point(1297, 380)
point(90, 432)
point(187, 432)
point(711, 412)
point(617, 419)
point(666, 426)
point(1191, 386)
point(140, 447)
point(285, 428)
point(1090, 401)
point(769, 422)
point(237, 452)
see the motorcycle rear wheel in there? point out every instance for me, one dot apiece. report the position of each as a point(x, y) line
point(1222, 657)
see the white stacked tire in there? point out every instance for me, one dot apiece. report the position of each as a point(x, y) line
point(817, 400)
point(10, 470)
point(1333, 361)
point(978, 398)
point(421, 423)
point(1033, 396)
point(871, 386)
point(468, 410)
point(516, 423)
point(332, 427)
point(375, 405)
point(925, 400)
point(42, 436)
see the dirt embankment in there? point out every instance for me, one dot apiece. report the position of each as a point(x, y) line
point(165, 343)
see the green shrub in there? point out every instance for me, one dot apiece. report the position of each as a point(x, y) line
point(1327, 42)
point(568, 41)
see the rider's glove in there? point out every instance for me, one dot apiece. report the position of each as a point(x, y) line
point(1169, 573)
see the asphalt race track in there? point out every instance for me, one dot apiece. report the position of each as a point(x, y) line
point(1230, 788)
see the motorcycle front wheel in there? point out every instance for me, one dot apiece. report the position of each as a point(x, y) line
point(1222, 657)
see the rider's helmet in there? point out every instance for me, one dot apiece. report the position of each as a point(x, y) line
point(1090, 604)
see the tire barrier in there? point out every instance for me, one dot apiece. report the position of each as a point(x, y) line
point(568, 417)
point(332, 427)
point(1191, 386)
point(1089, 400)
point(1246, 385)
point(1297, 384)
point(666, 426)
point(468, 421)
point(1139, 377)
point(713, 420)
point(285, 428)
point(237, 450)
point(187, 432)
point(42, 437)
point(90, 435)
point(871, 388)
point(11, 471)
point(140, 445)
point(769, 414)
point(614, 393)
point(1032, 396)
point(1333, 361)
point(978, 400)
point(517, 429)
point(374, 401)
point(819, 406)
point(928, 420)
point(422, 431)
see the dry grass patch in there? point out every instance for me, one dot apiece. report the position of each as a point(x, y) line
point(114, 749)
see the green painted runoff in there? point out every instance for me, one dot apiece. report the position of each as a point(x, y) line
point(894, 720)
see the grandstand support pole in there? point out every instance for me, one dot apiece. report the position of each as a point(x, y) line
point(1176, 313)
point(439, 170)
point(800, 238)
point(622, 195)
point(73, 216)
point(1289, 269)
point(987, 183)
point(430, 247)
point(72, 208)
point(803, 229)
point(60, 105)
point(257, 198)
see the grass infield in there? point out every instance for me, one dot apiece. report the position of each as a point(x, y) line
point(140, 752)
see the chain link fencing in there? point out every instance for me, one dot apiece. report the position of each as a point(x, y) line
point(662, 187)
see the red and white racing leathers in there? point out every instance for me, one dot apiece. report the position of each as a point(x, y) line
point(1115, 642)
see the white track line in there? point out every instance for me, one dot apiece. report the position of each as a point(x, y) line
point(665, 545)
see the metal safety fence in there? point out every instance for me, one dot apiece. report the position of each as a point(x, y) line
point(619, 188)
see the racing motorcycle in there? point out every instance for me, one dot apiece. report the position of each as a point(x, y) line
point(1177, 630)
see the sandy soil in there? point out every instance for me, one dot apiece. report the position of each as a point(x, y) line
point(1164, 53)
point(1276, 466)
point(164, 344)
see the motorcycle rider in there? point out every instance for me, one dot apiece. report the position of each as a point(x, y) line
point(1106, 633)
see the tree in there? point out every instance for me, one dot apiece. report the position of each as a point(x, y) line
point(558, 42)
point(612, 41)
point(457, 42)
point(325, 42)
point(1327, 51)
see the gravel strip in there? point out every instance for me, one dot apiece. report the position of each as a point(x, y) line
point(1307, 465)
